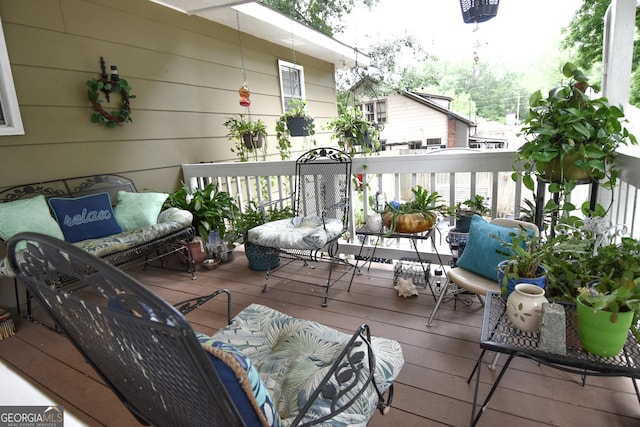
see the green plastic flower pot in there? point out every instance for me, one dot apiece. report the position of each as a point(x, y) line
point(598, 334)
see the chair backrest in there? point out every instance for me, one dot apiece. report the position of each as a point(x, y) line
point(323, 184)
point(142, 347)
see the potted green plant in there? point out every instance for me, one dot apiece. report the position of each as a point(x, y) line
point(464, 211)
point(570, 138)
point(295, 121)
point(253, 216)
point(353, 131)
point(610, 304)
point(249, 135)
point(527, 255)
point(415, 216)
point(213, 211)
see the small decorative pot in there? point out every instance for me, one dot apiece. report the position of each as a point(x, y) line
point(374, 222)
point(598, 334)
point(524, 307)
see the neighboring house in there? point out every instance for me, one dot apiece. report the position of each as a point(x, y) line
point(184, 68)
point(418, 120)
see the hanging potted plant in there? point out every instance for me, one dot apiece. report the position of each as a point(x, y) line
point(353, 132)
point(415, 216)
point(249, 135)
point(294, 122)
point(571, 138)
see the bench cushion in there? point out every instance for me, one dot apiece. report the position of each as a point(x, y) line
point(170, 221)
point(293, 355)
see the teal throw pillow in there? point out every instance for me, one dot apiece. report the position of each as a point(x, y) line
point(242, 382)
point(481, 254)
point(27, 215)
point(136, 210)
point(82, 218)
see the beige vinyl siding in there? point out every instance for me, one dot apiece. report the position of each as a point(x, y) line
point(408, 120)
point(184, 70)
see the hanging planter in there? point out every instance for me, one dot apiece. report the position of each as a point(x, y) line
point(299, 126)
point(253, 140)
point(475, 11)
point(248, 135)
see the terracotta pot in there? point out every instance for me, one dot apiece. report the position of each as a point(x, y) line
point(198, 251)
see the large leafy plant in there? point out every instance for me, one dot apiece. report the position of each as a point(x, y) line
point(569, 124)
point(353, 131)
point(212, 209)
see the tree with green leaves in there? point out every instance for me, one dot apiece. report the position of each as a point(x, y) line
point(585, 35)
point(326, 16)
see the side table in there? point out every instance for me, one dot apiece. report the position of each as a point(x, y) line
point(413, 237)
point(499, 335)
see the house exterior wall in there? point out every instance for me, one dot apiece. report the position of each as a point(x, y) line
point(408, 120)
point(184, 70)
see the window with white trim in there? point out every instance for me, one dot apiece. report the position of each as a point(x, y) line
point(10, 119)
point(291, 82)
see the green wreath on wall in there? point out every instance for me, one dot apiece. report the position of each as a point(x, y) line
point(113, 118)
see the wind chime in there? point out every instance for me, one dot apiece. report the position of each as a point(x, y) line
point(244, 91)
point(474, 12)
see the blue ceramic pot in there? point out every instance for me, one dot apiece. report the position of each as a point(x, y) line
point(540, 281)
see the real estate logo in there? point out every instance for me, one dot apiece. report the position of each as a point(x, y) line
point(31, 416)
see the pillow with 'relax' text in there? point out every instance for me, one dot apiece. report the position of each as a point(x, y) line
point(88, 217)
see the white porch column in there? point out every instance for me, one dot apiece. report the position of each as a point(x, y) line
point(617, 51)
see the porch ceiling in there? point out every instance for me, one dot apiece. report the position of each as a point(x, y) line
point(269, 24)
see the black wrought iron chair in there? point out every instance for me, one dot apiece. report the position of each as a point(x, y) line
point(167, 374)
point(320, 202)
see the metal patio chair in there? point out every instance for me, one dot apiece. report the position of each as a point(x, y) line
point(168, 375)
point(320, 203)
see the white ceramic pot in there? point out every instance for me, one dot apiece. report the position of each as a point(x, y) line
point(374, 222)
point(524, 307)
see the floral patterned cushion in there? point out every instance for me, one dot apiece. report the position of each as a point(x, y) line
point(293, 355)
point(307, 232)
point(169, 221)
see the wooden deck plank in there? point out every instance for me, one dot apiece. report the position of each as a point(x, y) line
point(432, 388)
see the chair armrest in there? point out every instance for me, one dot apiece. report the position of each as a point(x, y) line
point(187, 306)
point(350, 375)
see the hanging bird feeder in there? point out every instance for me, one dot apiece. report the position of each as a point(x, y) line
point(475, 11)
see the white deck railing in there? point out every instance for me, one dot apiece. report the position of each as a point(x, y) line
point(456, 174)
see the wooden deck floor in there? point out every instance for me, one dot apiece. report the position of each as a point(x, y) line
point(431, 390)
